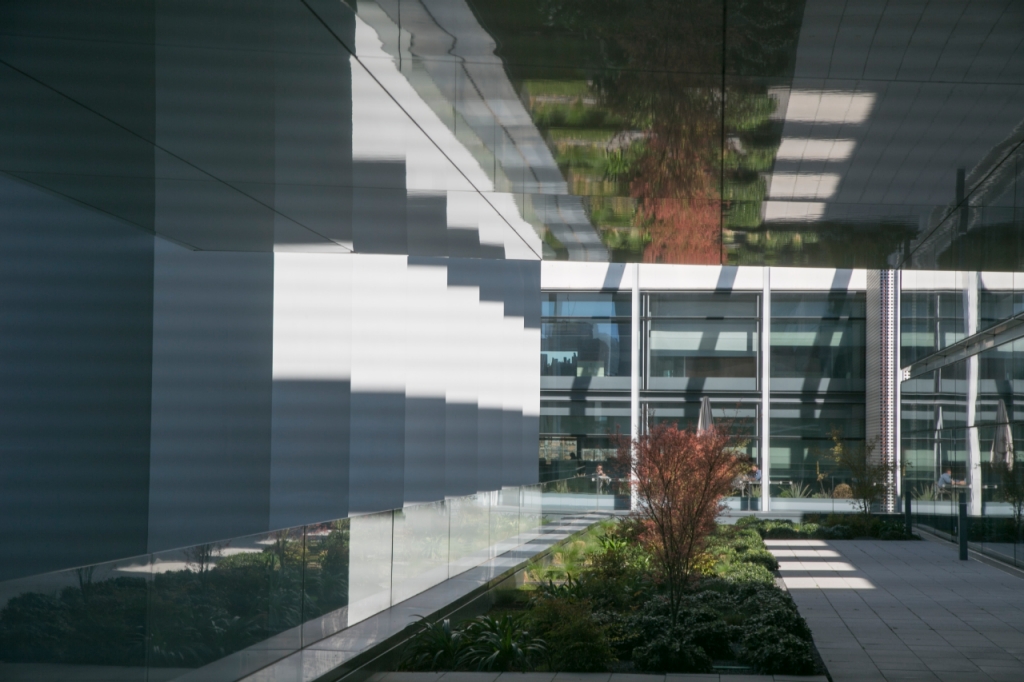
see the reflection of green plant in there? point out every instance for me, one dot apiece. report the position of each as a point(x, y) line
point(925, 493)
point(198, 558)
point(795, 490)
point(842, 492)
point(216, 606)
point(869, 476)
point(1011, 488)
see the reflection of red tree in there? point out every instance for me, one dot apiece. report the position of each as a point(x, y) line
point(669, 53)
point(683, 231)
point(677, 193)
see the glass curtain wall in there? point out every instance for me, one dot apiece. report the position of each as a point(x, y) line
point(817, 393)
point(585, 378)
point(702, 342)
point(961, 427)
point(585, 341)
point(700, 345)
point(577, 436)
point(960, 417)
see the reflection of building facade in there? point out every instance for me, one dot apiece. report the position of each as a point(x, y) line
point(962, 377)
point(273, 279)
point(782, 387)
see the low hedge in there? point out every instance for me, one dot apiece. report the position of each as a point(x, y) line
point(831, 527)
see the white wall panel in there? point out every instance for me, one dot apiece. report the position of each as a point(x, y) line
point(663, 277)
point(463, 351)
point(930, 280)
point(997, 281)
point(312, 316)
point(425, 325)
point(818, 279)
point(311, 399)
point(378, 126)
point(379, 327)
point(575, 275)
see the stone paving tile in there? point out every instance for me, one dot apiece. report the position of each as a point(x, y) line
point(470, 677)
point(583, 677)
point(628, 677)
point(908, 676)
point(526, 677)
point(1001, 673)
point(906, 611)
point(408, 677)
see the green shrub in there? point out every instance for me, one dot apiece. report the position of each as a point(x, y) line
point(671, 652)
point(705, 628)
point(745, 521)
point(744, 572)
point(775, 652)
point(837, 532)
point(616, 575)
point(575, 641)
point(781, 532)
point(892, 530)
point(808, 529)
point(776, 615)
point(745, 540)
point(760, 557)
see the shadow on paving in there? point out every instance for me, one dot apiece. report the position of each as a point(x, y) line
point(896, 611)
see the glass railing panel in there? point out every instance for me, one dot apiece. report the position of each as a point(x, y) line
point(469, 543)
point(570, 496)
point(421, 549)
point(370, 553)
point(76, 625)
point(222, 610)
point(325, 580)
point(531, 512)
point(505, 527)
point(229, 608)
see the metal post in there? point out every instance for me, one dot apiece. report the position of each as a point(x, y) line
point(962, 527)
point(766, 392)
point(635, 425)
point(906, 509)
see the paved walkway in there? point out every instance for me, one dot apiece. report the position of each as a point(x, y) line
point(898, 611)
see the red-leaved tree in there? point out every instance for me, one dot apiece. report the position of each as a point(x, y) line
point(680, 478)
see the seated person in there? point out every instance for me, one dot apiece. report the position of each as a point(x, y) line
point(945, 483)
point(746, 481)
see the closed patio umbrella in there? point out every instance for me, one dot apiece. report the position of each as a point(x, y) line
point(704, 420)
point(1002, 441)
point(937, 447)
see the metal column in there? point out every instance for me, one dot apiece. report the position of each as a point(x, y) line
point(634, 357)
point(766, 334)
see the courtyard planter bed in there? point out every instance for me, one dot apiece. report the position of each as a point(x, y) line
point(597, 606)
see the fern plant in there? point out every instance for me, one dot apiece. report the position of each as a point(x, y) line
point(437, 646)
point(501, 644)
